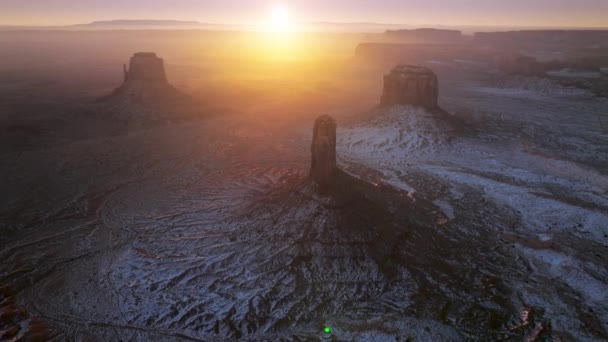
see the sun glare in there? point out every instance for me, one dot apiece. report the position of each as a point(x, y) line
point(280, 19)
point(279, 39)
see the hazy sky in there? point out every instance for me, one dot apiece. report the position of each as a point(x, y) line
point(582, 13)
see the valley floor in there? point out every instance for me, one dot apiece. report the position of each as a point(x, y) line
point(491, 225)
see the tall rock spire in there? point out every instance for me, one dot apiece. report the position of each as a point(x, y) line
point(323, 149)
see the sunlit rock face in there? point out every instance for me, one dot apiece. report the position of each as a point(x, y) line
point(411, 85)
point(323, 166)
point(146, 66)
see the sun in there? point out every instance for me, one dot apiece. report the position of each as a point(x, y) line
point(280, 21)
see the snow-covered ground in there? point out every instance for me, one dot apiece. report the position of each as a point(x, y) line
point(572, 73)
point(489, 224)
point(538, 154)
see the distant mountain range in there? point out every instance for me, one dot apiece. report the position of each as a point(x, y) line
point(351, 27)
point(147, 23)
point(312, 26)
point(138, 24)
point(308, 26)
point(124, 22)
point(180, 24)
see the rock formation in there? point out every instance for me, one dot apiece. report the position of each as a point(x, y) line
point(411, 85)
point(513, 64)
point(323, 148)
point(395, 52)
point(543, 39)
point(145, 81)
point(146, 96)
point(425, 35)
point(145, 66)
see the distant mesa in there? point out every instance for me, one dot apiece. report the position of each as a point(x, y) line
point(145, 80)
point(323, 148)
point(410, 85)
point(513, 64)
point(145, 66)
point(404, 52)
point(543, 38)
point(146, 96)
point(140, 23)
point(425, 35)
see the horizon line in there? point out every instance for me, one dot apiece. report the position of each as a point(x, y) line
point(311, 22)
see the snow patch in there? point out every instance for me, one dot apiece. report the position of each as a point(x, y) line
point(570, 271)
point(573, 73)
point(538, 214)
point(519, 86)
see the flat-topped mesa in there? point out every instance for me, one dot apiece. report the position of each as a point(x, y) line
point(411, 85)
point(426, 35)
point(145, 66)
point(323, 148)
point(146, 97)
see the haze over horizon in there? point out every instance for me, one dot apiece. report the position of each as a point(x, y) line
point(541, 13)
point(304, 170)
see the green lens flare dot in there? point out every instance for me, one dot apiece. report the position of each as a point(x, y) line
point(326, 330)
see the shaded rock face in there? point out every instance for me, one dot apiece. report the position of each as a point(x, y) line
point(520, 65)
point(426, 35)
point(146, 81)
point(407, 53)
point(411, 85)
point(146, 97)
point(323, 148)
point(146, 66)
point(544, 38)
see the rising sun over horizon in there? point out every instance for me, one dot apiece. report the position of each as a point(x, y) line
point(280, 19)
